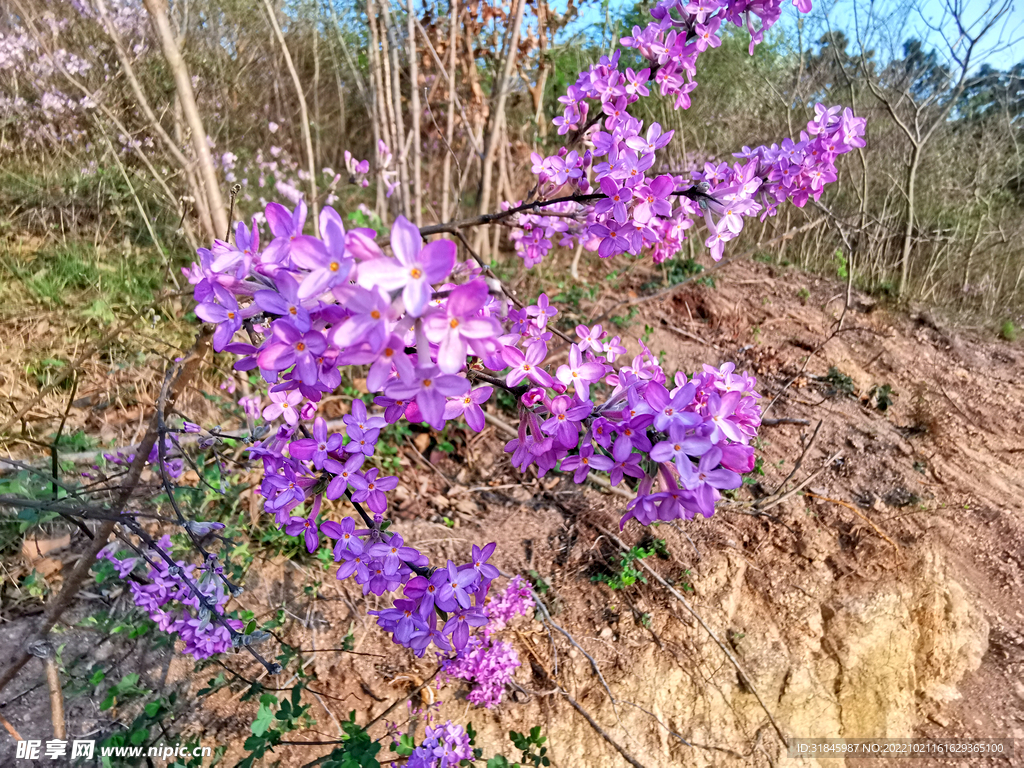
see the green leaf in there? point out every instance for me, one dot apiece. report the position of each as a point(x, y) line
point(264, 717)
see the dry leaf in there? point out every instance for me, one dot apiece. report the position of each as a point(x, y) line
point(421, 441)
point(48, 566)
point(35, 548)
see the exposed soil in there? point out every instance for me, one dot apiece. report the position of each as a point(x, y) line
point(899, 615)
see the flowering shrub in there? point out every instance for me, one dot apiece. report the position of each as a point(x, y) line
point(436, 339)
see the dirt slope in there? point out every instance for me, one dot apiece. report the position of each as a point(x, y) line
point(897, 613)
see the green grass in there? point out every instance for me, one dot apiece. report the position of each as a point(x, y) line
point(1008, 331)
point(76, 274)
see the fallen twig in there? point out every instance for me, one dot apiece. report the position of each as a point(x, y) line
point(43, 649)
point(860, 514)
point(10, 729)
point(775, 501)
point(800, 459)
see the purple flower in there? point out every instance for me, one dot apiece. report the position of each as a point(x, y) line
point(343, 474)
point(654, 199)
point(404, 618)
point(306, 526)
point(326, 260)
point(287, 229)
point(527, 366)
point(345, 534)
point(720, 409)
point(358, 417)
point(429, 389)
point(414, 268)
point(283, 402)
point(478, 561)
point(285, 302)
point(454, 587)
point(226, 315)
point(581, 465)
point(394, 552)
point(370, 489)
point(626, 462)
point(292, 347)
point(590, 338)
point(459, 623)
point(564, 419)
point(579, 374)
point(361, 441)
point(369, 322)
point(427, 591)
point(317, 447)
point(461, 325)
point(707, 480)
point(354, 562)
point(468, 406)
point(615, 200)
point(542, 310)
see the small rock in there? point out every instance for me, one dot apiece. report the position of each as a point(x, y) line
point(939, 719)
point(607, 634)
point(1018, 688)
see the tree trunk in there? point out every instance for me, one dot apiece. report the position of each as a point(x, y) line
point(453, 58)
point(908, 233)
point(414, 109)
point(157, 10)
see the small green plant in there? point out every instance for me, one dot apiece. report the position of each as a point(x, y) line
point(278, 717)
point(526, 744)
point(881, 396)
point(622, 322)
point(366, 219)
point(758, 471)
point(804, 295)
point(842, 266)
point(839, 381)
point(45, 372)
point(626, 572)
point(538, 582)
point(1008, 331)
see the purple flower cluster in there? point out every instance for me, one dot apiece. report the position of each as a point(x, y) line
point(488, 663)
point(515, 600)
point(684, 440)
point(174, 464)
point(191, 616)
point(795, 170)
point(635, 208)
point(445, 746)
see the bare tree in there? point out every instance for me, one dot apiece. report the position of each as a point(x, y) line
point(919, 93)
